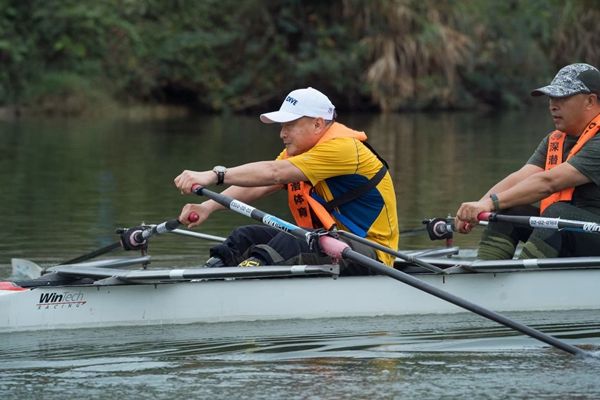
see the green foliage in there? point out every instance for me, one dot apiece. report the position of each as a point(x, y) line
point(230, 55)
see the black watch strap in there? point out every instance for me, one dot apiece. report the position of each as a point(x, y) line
point(220, 171)
point(220, 177)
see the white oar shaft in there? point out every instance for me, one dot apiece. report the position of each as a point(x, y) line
point(542, 222)
point(198, 235)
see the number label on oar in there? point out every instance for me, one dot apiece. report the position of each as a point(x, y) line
point(242, 208)
point(541, 222)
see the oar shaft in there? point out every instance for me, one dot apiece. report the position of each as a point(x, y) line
point(93, 254)
point(542, 222)
point(405, 257)
point(198, 235)
point(139, 237)
point(338, 248)
point(352, 255)
point(249, 211)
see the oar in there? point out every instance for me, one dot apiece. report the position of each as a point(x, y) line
point(198, 235)
point(413, 231)
point(22, 268)
point(92, 254)
point(143, 234)
point(542, 222)
point(405, 257)
point(338, 249)
point(28, 269)
point(137, 239)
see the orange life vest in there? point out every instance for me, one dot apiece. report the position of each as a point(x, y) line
point(554, 157)
point(305, 209)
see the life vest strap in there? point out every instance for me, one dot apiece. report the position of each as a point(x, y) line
point(357, 192)
point(368, 146)
point(347, 222)
point(554, 157)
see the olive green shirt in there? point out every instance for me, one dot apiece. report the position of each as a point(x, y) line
point(586, 161)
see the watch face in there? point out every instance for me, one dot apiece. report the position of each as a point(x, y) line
point(219, 168)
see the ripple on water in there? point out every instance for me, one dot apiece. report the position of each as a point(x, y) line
point(410, 357)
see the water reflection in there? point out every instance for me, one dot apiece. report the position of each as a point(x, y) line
point(446, 356)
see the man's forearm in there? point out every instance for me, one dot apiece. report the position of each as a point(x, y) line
point(513, 180)
point(263, 173)
point(527, 191)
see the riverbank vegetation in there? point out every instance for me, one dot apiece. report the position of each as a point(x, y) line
point(74, 56)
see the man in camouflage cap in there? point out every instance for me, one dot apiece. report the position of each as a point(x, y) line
point(563, 174)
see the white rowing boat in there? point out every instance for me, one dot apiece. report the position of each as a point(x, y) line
point(86, 295)
point(120, 297)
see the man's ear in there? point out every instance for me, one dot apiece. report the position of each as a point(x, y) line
point(591, 101)
point(319, 123)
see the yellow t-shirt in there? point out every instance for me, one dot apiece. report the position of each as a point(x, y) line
point(338, 165)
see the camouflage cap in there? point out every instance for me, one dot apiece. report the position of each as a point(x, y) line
point(571, 80)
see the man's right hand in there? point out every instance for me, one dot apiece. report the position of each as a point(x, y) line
point(462, 226)
point(201, 211)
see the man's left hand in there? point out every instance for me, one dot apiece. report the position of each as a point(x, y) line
point(187, 179)
point(469, 211)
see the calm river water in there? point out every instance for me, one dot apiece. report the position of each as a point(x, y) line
point(67, 184)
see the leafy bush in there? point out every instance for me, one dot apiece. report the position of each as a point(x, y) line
point(227, 55)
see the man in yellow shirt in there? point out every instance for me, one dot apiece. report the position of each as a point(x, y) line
point(332, 177)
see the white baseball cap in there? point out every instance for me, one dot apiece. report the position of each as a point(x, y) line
point(300, 103)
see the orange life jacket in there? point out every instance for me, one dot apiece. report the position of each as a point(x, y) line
point(554, 157)
point(305, 209)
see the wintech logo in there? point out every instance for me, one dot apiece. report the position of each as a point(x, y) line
point(57, 300)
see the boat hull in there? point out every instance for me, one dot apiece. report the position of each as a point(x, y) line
point(68, 307)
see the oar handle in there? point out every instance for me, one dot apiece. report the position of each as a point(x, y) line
point(486, 216)
point(196, 188)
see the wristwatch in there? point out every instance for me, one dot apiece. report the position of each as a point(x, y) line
point(220, 171)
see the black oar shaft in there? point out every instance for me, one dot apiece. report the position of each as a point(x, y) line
point(405, 257)
point(350, 254)
point(92, 254)
point(249, 211)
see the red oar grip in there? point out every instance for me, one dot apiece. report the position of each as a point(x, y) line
point(484, 216)
point(195, 187)
point(193, 217)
